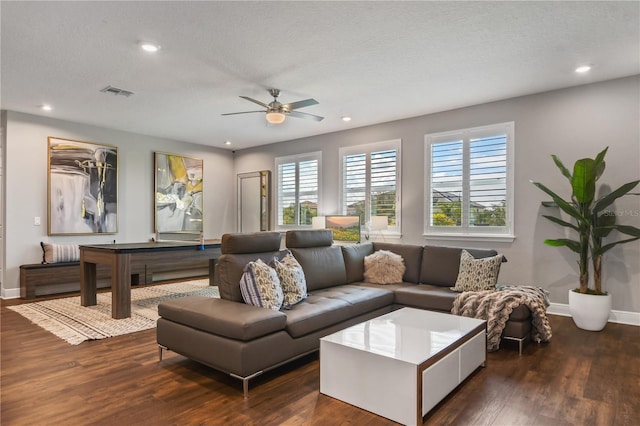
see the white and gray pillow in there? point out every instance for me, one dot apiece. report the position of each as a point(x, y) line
point(292, 280)
point(260, 286)
point(58, 253)
point(477, 274)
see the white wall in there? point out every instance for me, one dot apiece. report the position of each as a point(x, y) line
point(26, 183)
point(572, 123)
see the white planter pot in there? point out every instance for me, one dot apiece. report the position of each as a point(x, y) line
point(589, 312)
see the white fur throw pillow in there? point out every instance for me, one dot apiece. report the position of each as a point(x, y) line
point(383, 267)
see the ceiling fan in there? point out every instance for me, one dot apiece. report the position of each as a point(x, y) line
point(277, 112)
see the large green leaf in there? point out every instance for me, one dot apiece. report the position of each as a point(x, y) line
point(583, 181)
point(600, 163)
point(612, 245)
point(564, 242)
point(561, 222)
point(566, 207)
point(608, 199)
point(562, 168)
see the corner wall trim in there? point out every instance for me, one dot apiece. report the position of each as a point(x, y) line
point(621, 317)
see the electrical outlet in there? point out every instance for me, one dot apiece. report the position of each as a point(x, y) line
point(36, 221)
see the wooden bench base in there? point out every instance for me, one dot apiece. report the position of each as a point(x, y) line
point(55, 278)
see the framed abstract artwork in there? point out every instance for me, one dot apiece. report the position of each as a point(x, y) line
point(82, 188)
point(178, 194)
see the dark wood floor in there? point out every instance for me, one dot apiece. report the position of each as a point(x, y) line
point(580, 378)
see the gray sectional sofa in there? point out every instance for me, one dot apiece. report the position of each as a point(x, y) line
point(244, 340)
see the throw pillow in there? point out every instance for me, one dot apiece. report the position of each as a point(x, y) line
point(383, 267)
point(56, 253)
point(260, 286)
point(292, 281)
point(477, 274)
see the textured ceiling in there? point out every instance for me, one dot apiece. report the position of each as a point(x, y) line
point(375, 61)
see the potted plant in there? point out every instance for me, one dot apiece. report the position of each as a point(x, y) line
point(592, 222)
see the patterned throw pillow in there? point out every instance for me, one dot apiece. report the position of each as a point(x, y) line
point(56, 253)
point(477, 274)
point(260, 286)
point(383, 267)
point(291, 275)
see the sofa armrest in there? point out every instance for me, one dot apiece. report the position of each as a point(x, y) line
point(223, 317)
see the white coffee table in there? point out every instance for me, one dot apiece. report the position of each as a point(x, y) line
point(400, 365)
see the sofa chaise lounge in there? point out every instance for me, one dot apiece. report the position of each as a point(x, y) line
point(245, 340)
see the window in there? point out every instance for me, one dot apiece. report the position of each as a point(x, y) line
point(469, 182)
point(298, 189)
point(371, 182)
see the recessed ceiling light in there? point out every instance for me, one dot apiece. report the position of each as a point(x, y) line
point(149, 47)
point(227, 142)
point(583, 69)
point(46, 107)
point(346, 118)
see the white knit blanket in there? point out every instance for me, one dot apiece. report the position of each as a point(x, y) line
point(495, 306)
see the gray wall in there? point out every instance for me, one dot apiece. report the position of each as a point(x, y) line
point(26, 184)
point(572, 123)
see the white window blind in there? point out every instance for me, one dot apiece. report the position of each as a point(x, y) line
point(298, 189)
point(371, 182)
point(469, 181)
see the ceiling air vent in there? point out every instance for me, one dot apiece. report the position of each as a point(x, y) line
point(117, 92)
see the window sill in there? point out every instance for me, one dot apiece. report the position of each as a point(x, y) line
point(501, 238)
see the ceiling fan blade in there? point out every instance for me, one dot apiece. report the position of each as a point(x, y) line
point(300, 104)
point(299, 114)
point(243, 112)
point(262, 104)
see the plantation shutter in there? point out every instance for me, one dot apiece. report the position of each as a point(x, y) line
point(383, 184)
point(354, 185)
point(298, 189)
point(487, 179)
point(446, 183)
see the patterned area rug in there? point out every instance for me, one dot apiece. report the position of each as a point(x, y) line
point(70, 321)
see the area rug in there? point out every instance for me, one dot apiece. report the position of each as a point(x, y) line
point(75, 323)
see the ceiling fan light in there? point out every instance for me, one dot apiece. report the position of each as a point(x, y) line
point(275, 117)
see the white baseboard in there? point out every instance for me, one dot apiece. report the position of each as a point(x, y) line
point(10, 293)
point(621, 317)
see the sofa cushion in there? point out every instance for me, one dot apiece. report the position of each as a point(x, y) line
point(323, 266)
point(309, 238)
point(60, 253)
point(222, 317)
point(383, 267)
point(315, 313)
point(229, 270)
point(440, 265)
point(362, 299)
point(260, 286)
point(354, 255)
point(326, 307)
point(477, 274)
point(292, 281)
point(425, 296)
point(412, 256)
point(254, 242)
